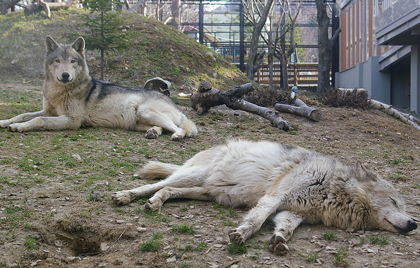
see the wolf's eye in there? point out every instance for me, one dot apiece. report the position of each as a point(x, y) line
point(393, 202)
point(57, 61)
point(72, 61)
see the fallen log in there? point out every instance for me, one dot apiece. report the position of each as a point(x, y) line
point(48, 6)
point(362, 96)
point(207, 97)
point(406, 118)
point(301, 109)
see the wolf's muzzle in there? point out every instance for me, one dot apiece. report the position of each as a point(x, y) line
point(65, 77)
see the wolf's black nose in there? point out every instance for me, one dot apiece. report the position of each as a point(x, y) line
point(412, 225)
point(65, 76)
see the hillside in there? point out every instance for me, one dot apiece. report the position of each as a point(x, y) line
point(154, 50)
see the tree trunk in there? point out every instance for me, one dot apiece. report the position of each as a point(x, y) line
point(301, 109)
point(251, 66)
point(206, 97)
point(157, 9)
point(6, 4)
point(136, 6)
point(176, 4)
point(102, 63)
point(284, 73)
point(324, 49)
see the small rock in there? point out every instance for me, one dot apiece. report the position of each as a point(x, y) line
point(77, 157)
point(141, 229)
point(213, 265)
point(34, 264)
point(120, 221)
point(398, 253)
point(104, 246)
point(170, 260)
point(103, 264)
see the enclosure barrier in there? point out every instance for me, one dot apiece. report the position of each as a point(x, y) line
point(298, 74)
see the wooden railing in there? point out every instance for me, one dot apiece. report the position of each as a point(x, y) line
point(298, 74)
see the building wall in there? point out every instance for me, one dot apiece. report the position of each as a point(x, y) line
point(367, 75)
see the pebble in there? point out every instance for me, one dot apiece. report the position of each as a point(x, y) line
point(141, 229)
point(104, 246)
point(170, 260)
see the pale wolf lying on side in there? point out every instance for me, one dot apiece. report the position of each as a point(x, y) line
point(295, 184)
point(72, 98)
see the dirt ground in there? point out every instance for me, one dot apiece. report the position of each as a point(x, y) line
point(57, 211)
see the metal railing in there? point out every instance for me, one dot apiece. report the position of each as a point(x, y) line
point(298, 74)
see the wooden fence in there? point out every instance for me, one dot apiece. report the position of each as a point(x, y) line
point(298, 73)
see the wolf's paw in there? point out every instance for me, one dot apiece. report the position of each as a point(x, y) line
point(17, 127)
point(278, 245)
point(4, 123)
point(121, 198)
point(151, 134)
point(236, 237)
point(178, 135)
point(152, 205)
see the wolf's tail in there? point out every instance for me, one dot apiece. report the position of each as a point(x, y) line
point(189, 127)
point(156, 170)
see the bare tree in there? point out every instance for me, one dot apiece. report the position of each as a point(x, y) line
point(324, 47)
point(283, 27)
point(255, 11)
point(175, 7)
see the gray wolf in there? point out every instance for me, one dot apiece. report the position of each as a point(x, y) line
point(72, 98)
point(294, 184)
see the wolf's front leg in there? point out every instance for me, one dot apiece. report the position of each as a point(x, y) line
point(47, 123)
point(266, 206)
point(286, 222)
point(21, 118)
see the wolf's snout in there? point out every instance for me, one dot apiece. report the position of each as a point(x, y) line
point(65, 77)
point(412, 225)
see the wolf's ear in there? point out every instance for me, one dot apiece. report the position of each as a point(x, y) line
point(79, 46)
point(362, 173)
point(50, 44)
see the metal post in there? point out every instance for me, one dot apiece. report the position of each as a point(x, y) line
point(201, 22)
point(241, 38)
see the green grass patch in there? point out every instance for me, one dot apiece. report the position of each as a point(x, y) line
point(379, 240)
point(236, 249)
point(183, 229)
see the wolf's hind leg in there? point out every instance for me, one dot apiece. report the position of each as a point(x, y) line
point(183, 177)
point(286, 222)
point(196, 193)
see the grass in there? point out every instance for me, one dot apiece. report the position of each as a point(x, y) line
point(183, 229)
point(340, 257)
point(150, 246)
point(312, 258)
point(328, 235)
point(14, 218)
point(379, 240)
point(30, 243)
point(236, 249)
